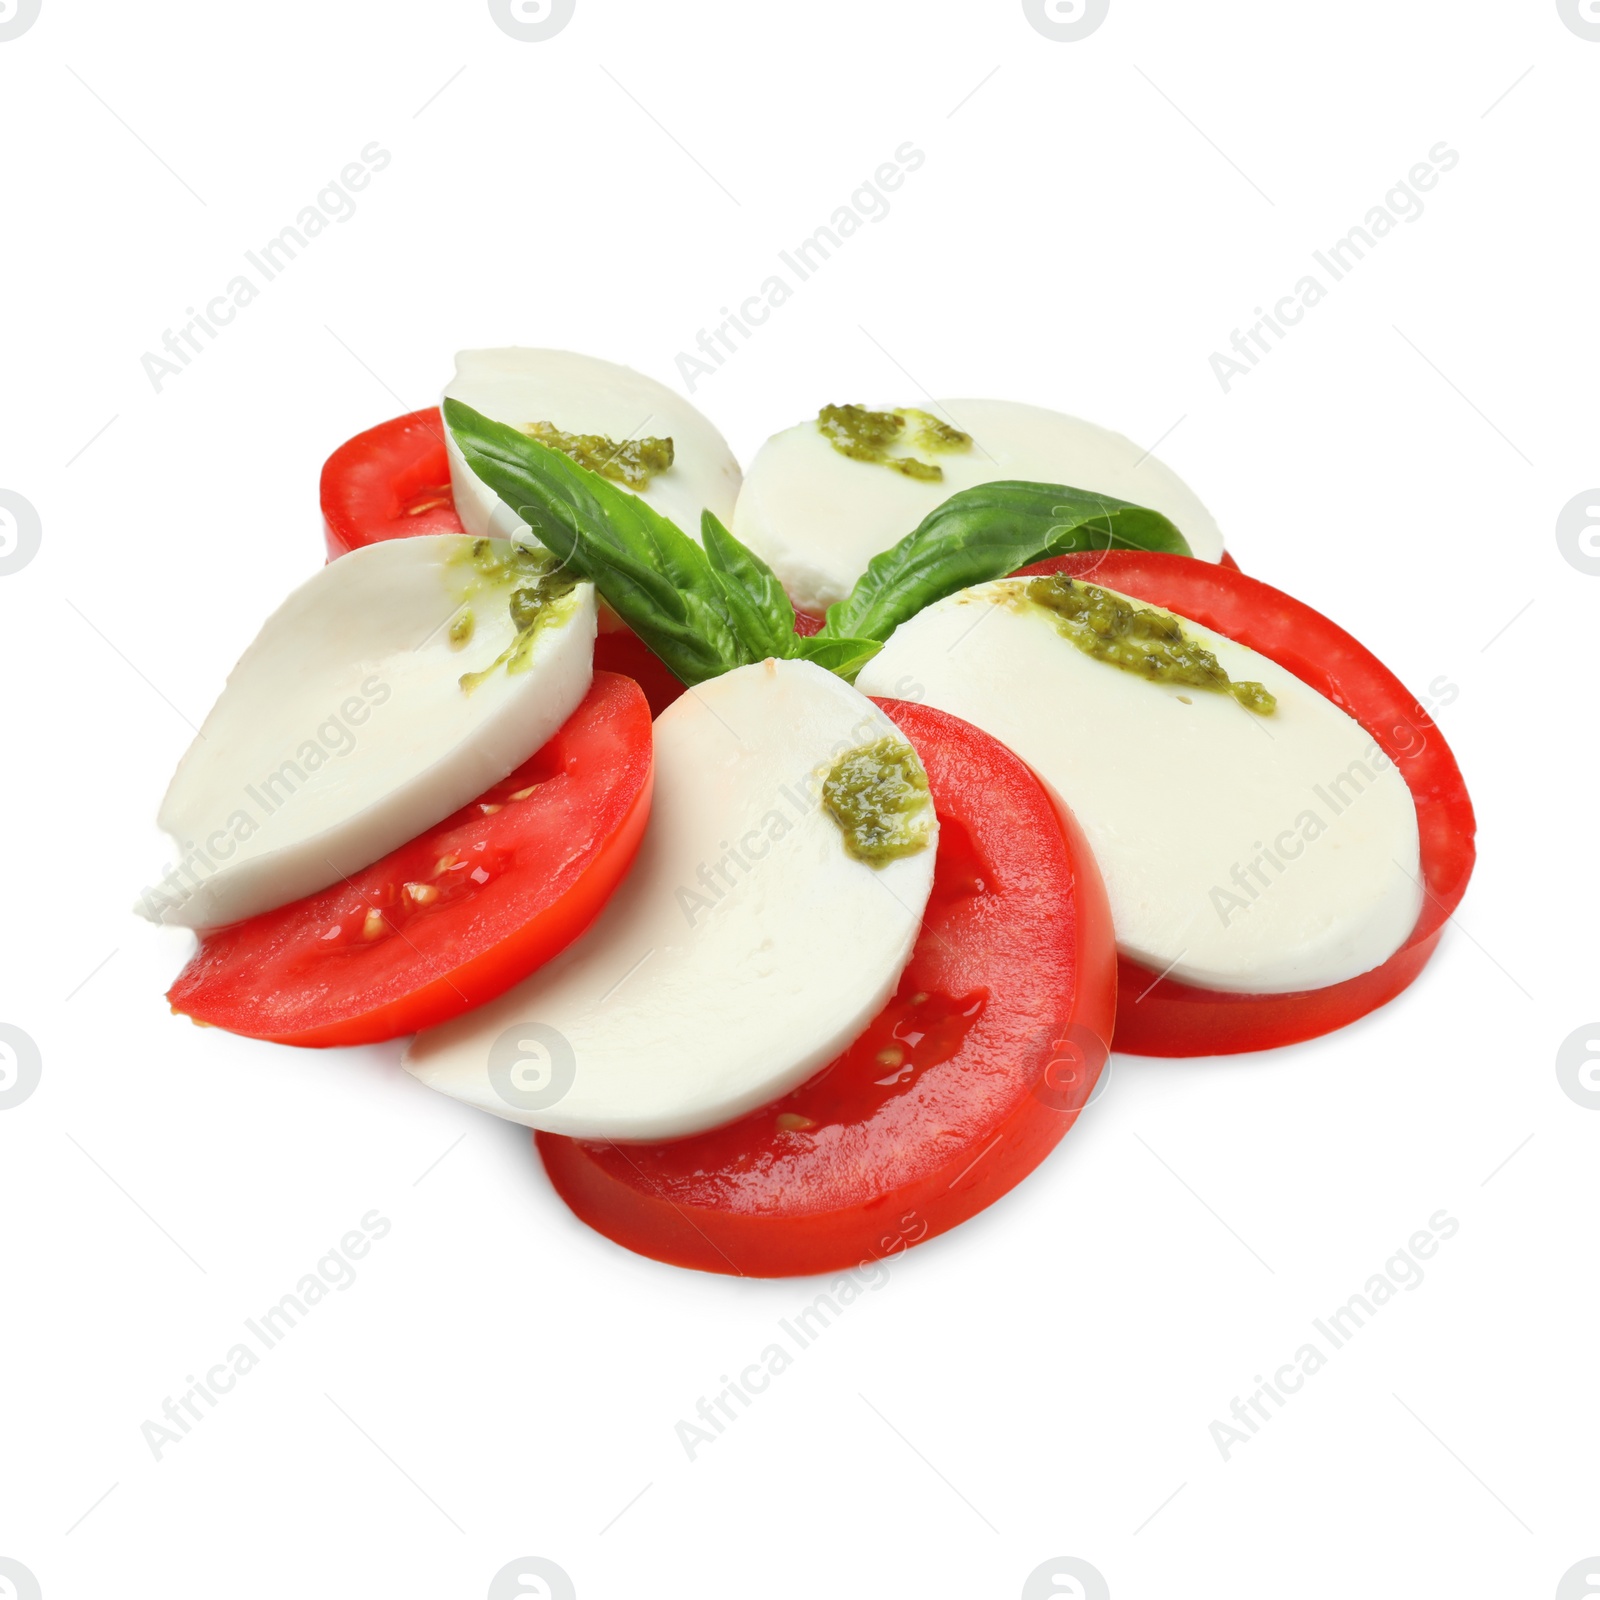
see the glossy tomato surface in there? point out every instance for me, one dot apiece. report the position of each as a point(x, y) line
point(964, 1082)
point(391, 482)
point(456, 916)
point(1157, 1016)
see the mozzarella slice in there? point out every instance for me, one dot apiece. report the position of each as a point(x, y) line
point(580, 394)
point(1254, 854)
point(818, 517)
point(744, 951)
point(345, 729)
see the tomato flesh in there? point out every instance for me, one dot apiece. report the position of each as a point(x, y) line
point(965, 1081)
point(622, 650)
point(391, 482)
point(1157, 1016)
point(456, 916)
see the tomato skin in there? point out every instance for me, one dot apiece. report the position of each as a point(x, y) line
point(1016, 966)
point(557, 856)
point(1157, 1016)
point(391, 482)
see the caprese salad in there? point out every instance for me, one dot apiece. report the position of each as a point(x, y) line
point(793, 882)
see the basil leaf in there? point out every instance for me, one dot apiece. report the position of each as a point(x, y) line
point(651, 573)
point(751, 592)
point(989, 532)
point(844, 657)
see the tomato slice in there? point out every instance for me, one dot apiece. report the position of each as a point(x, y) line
point(456, 916)
point(1157, 1016)
point(959, 1088)
point(391, 482)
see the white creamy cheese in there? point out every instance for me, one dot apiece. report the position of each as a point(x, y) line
point(818, 517)
point(581, 394)
point(344, 730)
point(743, 952)
point(1255, 854)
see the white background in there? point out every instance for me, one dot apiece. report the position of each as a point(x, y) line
point(501, 1382)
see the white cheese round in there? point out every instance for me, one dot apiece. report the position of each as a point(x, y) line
point(345, 731)
point(743, 952)
point(1254, 854)
point(581, 394)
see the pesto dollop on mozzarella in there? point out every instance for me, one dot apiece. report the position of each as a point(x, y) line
point(665, 451)
point(824, 497)
point(386, 692)
point(1248, 852)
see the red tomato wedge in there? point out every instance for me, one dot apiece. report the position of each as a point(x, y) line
point(391, 482)
point(957, 1090)
point(1157, 1016)
point(456, 916)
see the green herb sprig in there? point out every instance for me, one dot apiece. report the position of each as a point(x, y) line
point(707, 608)
point(703, 608)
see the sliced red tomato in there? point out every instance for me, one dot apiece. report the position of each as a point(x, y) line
point(456, 916)
point(1157, 1016)
point(959, 1088)
point(391, 482)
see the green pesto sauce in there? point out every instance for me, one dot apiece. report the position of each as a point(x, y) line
point(878, 794)
point(877, 436)
point(1150, 643)
point(633, 463)
point(538, 595)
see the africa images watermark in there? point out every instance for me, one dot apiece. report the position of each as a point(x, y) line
point(1403, 1270)
point(1066, 21)
point(1403, 203)
point(868, 203)
point(334, 1271)
point(800, 1332)
point(21, 532)
point(16, 17)
point(335, 202)
point(1336, 796)
point(21, 1066)
point(800, 797)
point(532, 21)
point(334, 737)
